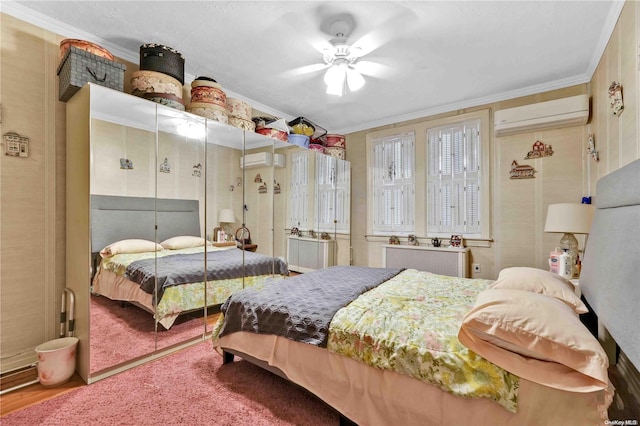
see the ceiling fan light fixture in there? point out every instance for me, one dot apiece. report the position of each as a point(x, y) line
point(355, 80)
point(340, 57)
point(335, 89)
point(335, 78)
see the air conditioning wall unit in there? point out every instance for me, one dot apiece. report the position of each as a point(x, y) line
point(262, 159)
point(566, 112)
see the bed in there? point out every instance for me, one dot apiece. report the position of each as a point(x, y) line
point(167, 278)
point(412, 347)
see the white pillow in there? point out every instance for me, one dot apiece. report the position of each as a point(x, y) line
point(183, 241)
point(129, 246)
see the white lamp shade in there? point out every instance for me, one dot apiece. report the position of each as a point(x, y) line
point(355, 80)
point(335, 78)
point(226, 216)
point(569, 218)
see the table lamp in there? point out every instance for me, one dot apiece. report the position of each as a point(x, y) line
point(569, 219)
point(226, 216)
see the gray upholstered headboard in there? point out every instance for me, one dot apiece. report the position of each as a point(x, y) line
point(610, 278)
point(115, 218)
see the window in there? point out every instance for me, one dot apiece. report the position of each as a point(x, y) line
point(333, 178)
point(454, 182)
point(393, 184)
point(319, 192)
point(299, 192)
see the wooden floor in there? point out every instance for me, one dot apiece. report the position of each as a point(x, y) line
point(626, 405)
point(33, 394)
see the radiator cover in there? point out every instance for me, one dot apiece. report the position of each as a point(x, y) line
point(309, 254)
point(443, 261)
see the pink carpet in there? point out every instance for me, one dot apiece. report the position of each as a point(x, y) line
point(114, 328)
point(190, 387)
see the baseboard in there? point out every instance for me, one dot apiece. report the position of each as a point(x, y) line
point(17, 378)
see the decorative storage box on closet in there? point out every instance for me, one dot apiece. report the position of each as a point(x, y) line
point(79, 66)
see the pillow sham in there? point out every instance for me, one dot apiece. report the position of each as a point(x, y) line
point(536, 337)
point(129, 246)
point(183, 241)
point(541, 282)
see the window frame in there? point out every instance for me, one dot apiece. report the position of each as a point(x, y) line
point(483, 161)
point(401, 190)
point(419, 127)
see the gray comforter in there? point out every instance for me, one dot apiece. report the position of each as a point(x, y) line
point(189, 268)
point(300, 308)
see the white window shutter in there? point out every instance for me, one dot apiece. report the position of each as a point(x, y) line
point(458, 153)
point(445, 154)
point(446, 221)
point(453, 181)
point(433, 154)
point(433, 203)
point(472, 189)
point(472, 219)
point(394, 184)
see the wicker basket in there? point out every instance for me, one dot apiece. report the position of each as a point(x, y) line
point(164, 59)
point(79, 67)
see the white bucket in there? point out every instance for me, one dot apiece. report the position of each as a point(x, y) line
point(56, 360)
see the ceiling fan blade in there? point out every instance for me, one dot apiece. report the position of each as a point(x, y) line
point(386, 30)
point(373, 69)
point(306, 69)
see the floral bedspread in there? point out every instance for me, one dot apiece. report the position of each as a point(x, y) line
point(409, 325)
point(184, 297)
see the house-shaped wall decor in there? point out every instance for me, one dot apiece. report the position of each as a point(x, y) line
point(165, 167)
point(521, 172)
point(539, 150)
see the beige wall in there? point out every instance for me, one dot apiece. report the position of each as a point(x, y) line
point(32, 223)
point(32, 191)
point(32, 208)
point(617, 138)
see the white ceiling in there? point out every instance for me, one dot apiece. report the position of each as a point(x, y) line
point(432, 56)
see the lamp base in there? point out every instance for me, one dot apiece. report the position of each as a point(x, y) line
point(569, 243)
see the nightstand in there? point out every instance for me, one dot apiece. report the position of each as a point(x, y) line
point(576, 285)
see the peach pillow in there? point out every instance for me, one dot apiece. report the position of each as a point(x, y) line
point(535, 337)
point(183, 241)
point(129, 246)
point(541, 282)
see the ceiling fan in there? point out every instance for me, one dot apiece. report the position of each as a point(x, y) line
point(341, 58)
point(345, 70)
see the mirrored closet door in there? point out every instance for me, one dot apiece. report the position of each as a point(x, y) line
point(180, 217)
point(149, 187)
point(122, 205)
point(224, 214)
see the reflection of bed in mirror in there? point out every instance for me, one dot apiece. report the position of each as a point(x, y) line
point(418, 348)
point(131, 270)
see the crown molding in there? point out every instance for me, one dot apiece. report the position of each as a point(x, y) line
point(525, 91)
point(605, 36)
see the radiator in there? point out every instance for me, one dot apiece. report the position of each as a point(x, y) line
point(308, 254)
point(442, 261)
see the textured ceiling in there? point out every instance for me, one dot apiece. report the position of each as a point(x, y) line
point(425, 57)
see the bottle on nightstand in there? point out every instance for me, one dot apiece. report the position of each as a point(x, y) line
point(566, 265)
